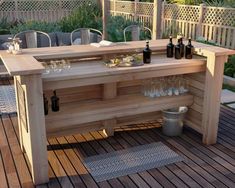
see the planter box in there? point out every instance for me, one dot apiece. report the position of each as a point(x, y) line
point(229, 80)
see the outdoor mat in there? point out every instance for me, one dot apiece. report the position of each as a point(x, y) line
point(7, 99)
point(132, 160)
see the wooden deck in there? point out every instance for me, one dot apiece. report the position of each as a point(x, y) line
point(204, 166)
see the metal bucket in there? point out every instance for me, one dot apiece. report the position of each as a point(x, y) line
point(173, 121)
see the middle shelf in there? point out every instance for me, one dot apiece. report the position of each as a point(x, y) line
point(73, 114)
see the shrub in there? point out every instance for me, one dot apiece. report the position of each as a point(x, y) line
point(86, 16)
point(36, 25)
point(229, 67)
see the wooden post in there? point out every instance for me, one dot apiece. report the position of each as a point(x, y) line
point(114, 7)
point(34, 132)
point(157, 19)
point(16, 10)
point(163, 18)
point(135, 14)
point(201, 17)
point(109, 92)
point(105, 8)
point(211, 104)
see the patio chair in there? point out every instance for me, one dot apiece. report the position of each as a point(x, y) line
point(135, 31)
point(87, 35)
point(32, 38)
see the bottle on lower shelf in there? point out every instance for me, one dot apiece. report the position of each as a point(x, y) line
point(45, 102)
point(55, 106)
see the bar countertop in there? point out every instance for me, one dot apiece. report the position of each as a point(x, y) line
point(27, 62)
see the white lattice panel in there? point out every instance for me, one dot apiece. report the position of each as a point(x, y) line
point(182, 12)
point(219, 16)
point(39, 5)
point(125, 7)
point(145, 9)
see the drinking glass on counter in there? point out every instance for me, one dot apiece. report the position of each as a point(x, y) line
point(56, 66)
point(164, 86)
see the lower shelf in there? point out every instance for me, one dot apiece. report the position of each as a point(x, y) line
point(71, 115)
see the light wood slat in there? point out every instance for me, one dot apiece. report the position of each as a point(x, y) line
point(212, 96)
point(198, 100)
point(201, 77)
point(233, 39)
point(8, 161)
point(58, 169)
point(107, 75)
point(210, 33)
point(97, 68)
point(193, 113)
point(196, 107)
point(206, 32)
point(193, 125)
point(196, 84)
point(75, 159)
point(214, 33)
point(127, 105)
point(196, 92)
point(67, 166)
point(2, 174)
point(228, 41)
point(85, 150)
point(21, 166)
point(219, 35)
point(224, 34)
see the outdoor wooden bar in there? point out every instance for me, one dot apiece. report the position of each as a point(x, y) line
point(95, 97)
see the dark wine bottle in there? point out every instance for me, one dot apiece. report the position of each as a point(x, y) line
point(45, 102)
point(189, 50)
point(170, 48)
point(55, 106)
point(182, 46)
point(147, 54)
point(178, 50)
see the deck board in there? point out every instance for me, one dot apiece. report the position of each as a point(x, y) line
point(204, 166)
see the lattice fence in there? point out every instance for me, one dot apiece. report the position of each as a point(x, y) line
point(47, 10)
point(219, 16)
point(142, 12)
point(211, 23)
point(186, 13)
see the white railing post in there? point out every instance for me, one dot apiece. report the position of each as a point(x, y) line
point(201, 17)
point(157, 5)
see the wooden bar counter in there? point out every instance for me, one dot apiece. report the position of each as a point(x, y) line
point(95, 97)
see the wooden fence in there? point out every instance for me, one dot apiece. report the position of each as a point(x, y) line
point(46, 10)
point(211, 23)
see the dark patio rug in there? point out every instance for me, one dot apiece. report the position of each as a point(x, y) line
point(129, 161)
point(7, 99)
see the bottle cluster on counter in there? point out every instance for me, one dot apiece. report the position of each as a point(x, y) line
point(180, 50)
point(55, 105)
